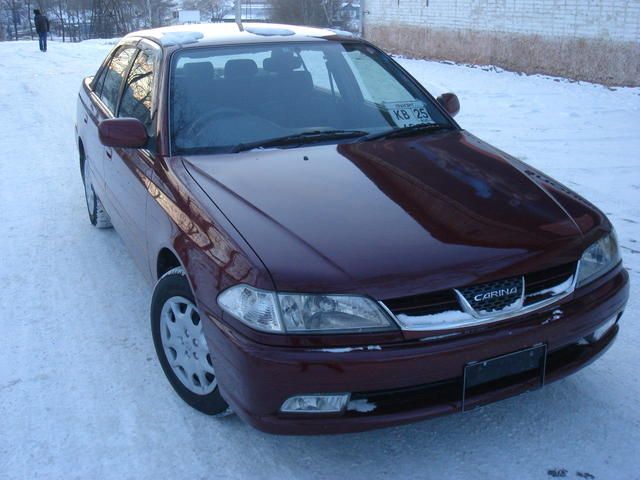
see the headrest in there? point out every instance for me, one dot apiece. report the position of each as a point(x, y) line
point(304, 80)
point(240, 68)
point(198, 70)
point(281, 61)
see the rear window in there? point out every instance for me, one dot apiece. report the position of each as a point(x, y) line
point(221, 97)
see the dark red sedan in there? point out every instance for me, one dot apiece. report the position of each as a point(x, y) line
point(331, 252)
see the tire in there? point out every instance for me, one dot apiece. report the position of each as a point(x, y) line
point(98, 216)
point(176, 325)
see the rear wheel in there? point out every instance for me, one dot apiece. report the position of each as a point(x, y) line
point(98, 216)
point(176, 324)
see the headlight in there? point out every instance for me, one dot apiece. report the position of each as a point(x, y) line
point(300, 313)
point(598, 259)
point(256, 308)
point(308, 313)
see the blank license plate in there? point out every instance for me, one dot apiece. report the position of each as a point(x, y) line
point(522, 366)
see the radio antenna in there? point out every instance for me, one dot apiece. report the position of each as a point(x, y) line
point(239, 15)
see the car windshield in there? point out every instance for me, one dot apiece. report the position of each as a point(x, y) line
point(234, 98)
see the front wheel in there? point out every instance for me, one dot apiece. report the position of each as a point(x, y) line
point(176, 325)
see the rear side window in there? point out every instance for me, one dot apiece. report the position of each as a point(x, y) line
point(138, 92)
point(114, 76)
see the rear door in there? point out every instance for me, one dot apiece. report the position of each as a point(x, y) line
point(128, 170)
point(103, 95)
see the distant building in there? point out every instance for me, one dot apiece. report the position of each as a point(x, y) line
point(347, 17)
point(594, 40)
point(252, 11)
point(182, 17)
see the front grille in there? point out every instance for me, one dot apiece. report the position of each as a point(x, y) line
point(425, 304)
point(494, 296)
point(442, 309)
point(542, 285)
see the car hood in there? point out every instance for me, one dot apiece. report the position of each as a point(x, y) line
point(389, 218)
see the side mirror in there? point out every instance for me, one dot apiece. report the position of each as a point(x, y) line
point(450, 103)
point(123, 133)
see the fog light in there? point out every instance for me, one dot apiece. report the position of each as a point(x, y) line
point(602, 330)
point(329, 403)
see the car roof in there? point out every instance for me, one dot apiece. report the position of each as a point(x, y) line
point(229, 34)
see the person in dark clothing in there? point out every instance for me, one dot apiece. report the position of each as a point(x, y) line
point(42, 28)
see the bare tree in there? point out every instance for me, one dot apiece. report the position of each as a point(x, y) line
point(13, 11)
point(304, 12)
point(79, 19)
point(219, 8)
point(28, 4)
point(59, 10)
point(211, 10)
point(161, 10)
point(77, 14)
point(109, 18)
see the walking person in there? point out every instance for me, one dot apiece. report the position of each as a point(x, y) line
point(42, 28)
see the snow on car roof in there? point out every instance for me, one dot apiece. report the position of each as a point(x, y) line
point(230, 33)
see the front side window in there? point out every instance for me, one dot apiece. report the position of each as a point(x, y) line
point(114, 76)
point(223, 99)
point(137, 96)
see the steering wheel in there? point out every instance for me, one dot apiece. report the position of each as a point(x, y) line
point(198, 125)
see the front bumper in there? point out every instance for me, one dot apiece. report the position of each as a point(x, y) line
point(412, 380)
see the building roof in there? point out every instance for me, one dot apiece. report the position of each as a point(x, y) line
point(229, 33)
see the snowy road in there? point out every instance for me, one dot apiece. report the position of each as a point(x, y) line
point(82, 395)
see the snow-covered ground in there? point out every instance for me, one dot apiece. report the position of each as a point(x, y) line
point(82, 395)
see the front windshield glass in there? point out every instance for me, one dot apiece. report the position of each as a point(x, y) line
point(226, 98)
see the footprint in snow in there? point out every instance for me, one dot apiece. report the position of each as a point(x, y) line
point(563, 473)
point(557, 472)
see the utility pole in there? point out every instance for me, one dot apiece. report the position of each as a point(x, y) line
point(150, 13)
point(239, 15)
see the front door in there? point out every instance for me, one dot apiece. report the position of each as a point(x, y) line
point(127, 170)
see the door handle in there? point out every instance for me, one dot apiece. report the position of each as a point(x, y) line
point(85, 119)
point(109, 153)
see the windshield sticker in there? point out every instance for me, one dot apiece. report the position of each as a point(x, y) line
point(407, 114)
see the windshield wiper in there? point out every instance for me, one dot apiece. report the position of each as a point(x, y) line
point(408, 131)
point(300, 139)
